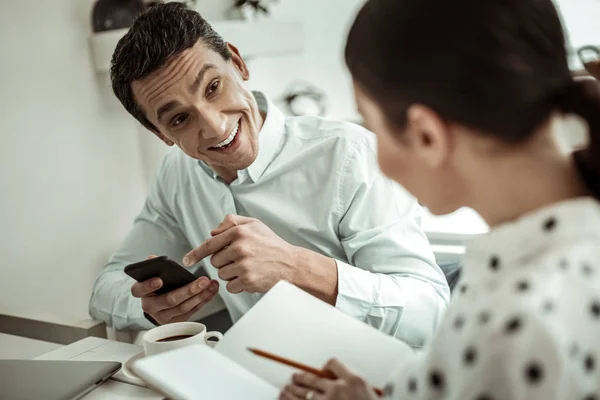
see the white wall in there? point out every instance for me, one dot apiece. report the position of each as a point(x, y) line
point(70, 165)
point(325, 28)
point(325, 25)
point(582, 20)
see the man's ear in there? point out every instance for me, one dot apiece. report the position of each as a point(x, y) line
point(429, 135)
point(162, 137)
point(238, 61)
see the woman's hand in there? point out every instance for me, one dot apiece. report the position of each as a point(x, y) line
point(347, 386)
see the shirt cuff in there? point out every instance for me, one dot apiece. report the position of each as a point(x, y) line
point(143, 321)
point(355, 291)
point(149, 318)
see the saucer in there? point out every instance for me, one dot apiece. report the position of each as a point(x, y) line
point(133, 378)
point(128, 371)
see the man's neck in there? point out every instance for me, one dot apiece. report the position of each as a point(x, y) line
point(226, 174)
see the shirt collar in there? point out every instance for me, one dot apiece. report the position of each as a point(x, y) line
point(269, 138)
point(269, 141)
point(515, 243)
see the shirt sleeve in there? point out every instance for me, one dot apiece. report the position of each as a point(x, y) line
point(154, 232)
point(391, 280)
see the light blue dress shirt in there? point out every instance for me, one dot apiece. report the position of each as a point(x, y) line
point(317, 185)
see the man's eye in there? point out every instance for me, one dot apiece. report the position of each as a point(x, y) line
point(213, 87)
point(178, 120)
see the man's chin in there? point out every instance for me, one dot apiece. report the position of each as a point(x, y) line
point(246, 160)
point(235, 165)
point(243, 164)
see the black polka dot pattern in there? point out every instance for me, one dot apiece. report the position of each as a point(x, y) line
point(484, 317)
point(589, 363)
point(436, 380)
point(470, 356)
point(522, 286)
point(550, 224)
point(412, 385)
point(595, 309)
point(513, 325)
point(494, 263)
point(459, 322)
point(527, 321)
point(534, 373)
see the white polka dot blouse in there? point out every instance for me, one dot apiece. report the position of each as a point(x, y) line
point(524, 321)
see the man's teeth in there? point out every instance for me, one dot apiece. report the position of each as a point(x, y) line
point(230, 138)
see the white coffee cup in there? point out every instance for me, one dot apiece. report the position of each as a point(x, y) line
point(154, 339)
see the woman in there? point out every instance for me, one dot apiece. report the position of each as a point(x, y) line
point(465, 97)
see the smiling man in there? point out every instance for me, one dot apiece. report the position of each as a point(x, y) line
point(254, 197)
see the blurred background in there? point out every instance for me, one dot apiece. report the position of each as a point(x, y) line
point(75, 167)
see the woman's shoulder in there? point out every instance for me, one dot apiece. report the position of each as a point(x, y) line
point(522, 337)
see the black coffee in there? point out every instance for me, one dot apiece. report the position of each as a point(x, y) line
point(174, 338)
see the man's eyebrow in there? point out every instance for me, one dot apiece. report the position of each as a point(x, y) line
point(166, 108)
point(160, 113)
point(200, 76)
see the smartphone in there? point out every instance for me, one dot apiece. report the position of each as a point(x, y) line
point(172, 274)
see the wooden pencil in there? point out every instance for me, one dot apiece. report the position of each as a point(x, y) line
point(315, 371)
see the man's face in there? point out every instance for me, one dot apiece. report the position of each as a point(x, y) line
point(201, 103)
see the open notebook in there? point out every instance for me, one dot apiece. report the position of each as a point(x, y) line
point(288, 322)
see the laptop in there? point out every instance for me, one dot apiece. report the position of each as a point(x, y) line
point(52, 380)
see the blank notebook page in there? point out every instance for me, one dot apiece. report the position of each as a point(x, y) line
point(293, 324)
point(199, 372)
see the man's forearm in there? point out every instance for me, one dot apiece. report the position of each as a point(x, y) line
point(111, 302)
point(317, 274)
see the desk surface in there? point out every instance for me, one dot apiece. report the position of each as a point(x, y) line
point(97, 349)
point(16, 347)
point(20, 348)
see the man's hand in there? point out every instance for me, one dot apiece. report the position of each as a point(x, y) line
point(248, 255)
point(178, 305)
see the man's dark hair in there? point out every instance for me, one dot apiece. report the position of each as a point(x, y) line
point(159, 33)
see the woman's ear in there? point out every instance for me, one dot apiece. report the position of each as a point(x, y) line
point(428, 135)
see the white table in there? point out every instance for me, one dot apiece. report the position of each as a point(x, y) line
point(96, 349)
point(20, 348)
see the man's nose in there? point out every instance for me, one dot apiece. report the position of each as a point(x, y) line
point(214, 123)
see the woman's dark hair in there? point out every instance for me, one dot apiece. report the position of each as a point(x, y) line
point(498, 66)
point(161, 32)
